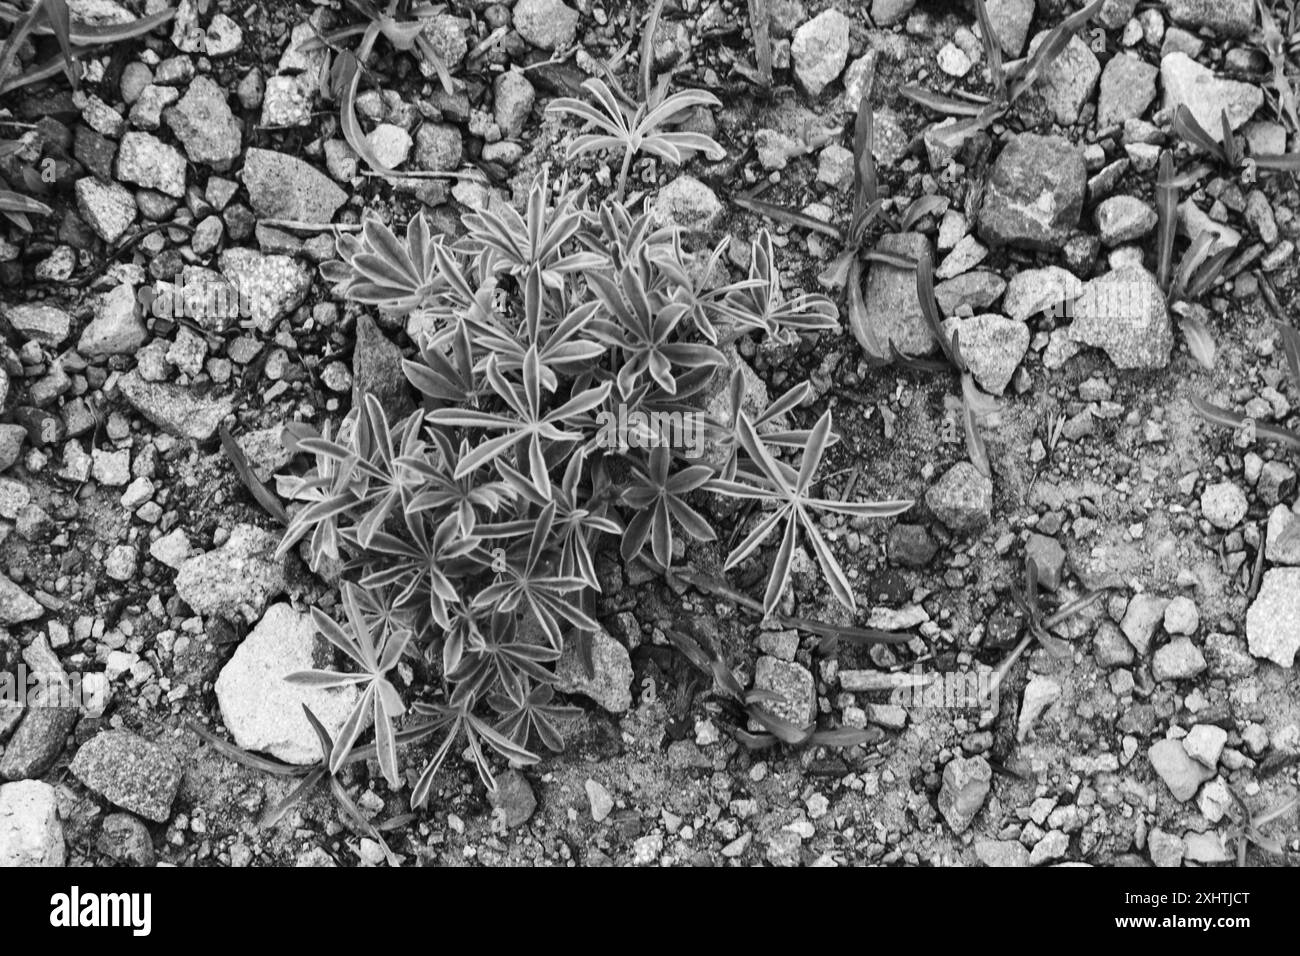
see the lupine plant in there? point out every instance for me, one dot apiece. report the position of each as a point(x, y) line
point(467, 532)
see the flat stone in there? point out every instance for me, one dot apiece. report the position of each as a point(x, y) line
point(1144, 614)
point(1181, 774)
point(1034, 194)
point(1205, 743)
point(284, 187)
point(1187, 83)
point(1226, 18)
point(147, 161)
point(30, 831)
point(16, 605)
point(890, 296)
point(1010, 22)
point(130, 772)
point(1002, 853)
point(235, 580)
point(1040, 693)
point(969, 293)
point(37, 742)
point(262, 710)
point(687, 204)
point(39, 322)
point(1273, 621)
point(1124, 314)
point(1032, 291)
point(173, 408)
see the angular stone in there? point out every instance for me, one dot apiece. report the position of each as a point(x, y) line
point(1068, 82)
point(37, 742)
point(1124, 314)
point(270, 286)
point(1124, 219)
point(1128, 85)
point(1034, 193)
point(262, 710)
point(1227, 18)
point(1180, 659)
point(966, 784)
point(235, 580)
point(609, 685)
point(992, 346)
point(377, 370)
point(890, 296)
point(1010, 22)
point(174, 409)
point(548, 24)
point(793, 684)
point(30, 831)
point(204, 124)
point(1181, 774)
point(108, 208)
point(117, 328)
point(1187, 83)
point(687, 204)
point(130, 772)
point(147, 161)
point(1143, 615)
point(972, 292)
point(820, 48)
point(1273, 621)
point(16, 605)
point(284, 187)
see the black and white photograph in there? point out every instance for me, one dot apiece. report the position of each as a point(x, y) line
point(637, 434)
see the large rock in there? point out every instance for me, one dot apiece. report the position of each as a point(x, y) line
point(609, 685)
point(174, 409)
point(1124, 314)
point(966, 783)
point(204, 124)
point(30, 831)
point(235, 580)
point(147, 161)
point(285, 187)
point(1187, 83)
point(992, 346)
point(1273, 621)
point(270, 286)
point(1034, 193)
point(130, 772)
point(1229, 18)
point(820, 49)
point(261, 709)
point(893, 307)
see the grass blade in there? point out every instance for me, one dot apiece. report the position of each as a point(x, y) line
point(1167, 213)
point(1052, 46)
point(260, 492)
point(993, 50)
point(788, 216)
point(1199, 340)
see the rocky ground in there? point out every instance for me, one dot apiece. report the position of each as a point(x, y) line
point(134, 560)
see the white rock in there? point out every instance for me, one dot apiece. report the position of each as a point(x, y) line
point(30, 831)
point(261, 709)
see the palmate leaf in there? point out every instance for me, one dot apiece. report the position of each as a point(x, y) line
point(788, 491)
